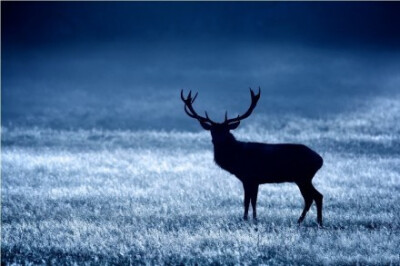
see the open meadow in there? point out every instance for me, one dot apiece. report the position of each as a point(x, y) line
point(152, 197)
point(100, 165)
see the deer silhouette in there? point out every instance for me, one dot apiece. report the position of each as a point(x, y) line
point(259, 163)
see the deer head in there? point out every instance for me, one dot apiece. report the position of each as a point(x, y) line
point(219, 131)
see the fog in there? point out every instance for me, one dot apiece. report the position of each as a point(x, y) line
point(122, 66)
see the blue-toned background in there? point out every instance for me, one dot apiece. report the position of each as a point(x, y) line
point(100, 164)
point(122, 65)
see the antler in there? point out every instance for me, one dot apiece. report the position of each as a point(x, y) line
point(190, 111)
point(254, 100)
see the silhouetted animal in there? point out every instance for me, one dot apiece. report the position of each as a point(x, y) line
point(259, 163)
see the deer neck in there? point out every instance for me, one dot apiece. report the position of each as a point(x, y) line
point(225, 151)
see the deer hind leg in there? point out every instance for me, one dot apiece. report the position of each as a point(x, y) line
point(318, 197)
point(307, 192)
point(253, 197)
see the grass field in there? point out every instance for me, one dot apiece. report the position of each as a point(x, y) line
point(153, 197)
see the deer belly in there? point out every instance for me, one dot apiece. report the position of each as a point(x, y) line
point(274, 179)
point(285, 172)
point(274, 172)
point(260, 174)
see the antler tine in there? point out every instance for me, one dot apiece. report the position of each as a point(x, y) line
point(183, 98)
point(253, 95)
point(251, 92)
point(194, 98)
point(226, 116)
point(188, 99)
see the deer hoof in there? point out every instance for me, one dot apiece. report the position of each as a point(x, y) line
point(320, 224)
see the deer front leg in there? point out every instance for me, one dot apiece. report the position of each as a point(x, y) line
point(253, 197)
point(246, 202)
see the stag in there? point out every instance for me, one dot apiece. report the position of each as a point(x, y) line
point(259, 163)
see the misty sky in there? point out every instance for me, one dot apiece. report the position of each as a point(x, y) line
point(122, 65)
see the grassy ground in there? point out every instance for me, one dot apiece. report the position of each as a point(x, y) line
point(156, 197)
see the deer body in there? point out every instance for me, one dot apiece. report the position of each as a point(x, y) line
point(267, 163)
point(258, 163)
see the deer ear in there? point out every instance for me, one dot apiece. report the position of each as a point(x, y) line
point(206, 126)
point(234, 125)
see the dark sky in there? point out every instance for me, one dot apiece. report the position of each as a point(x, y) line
point(333, 24)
